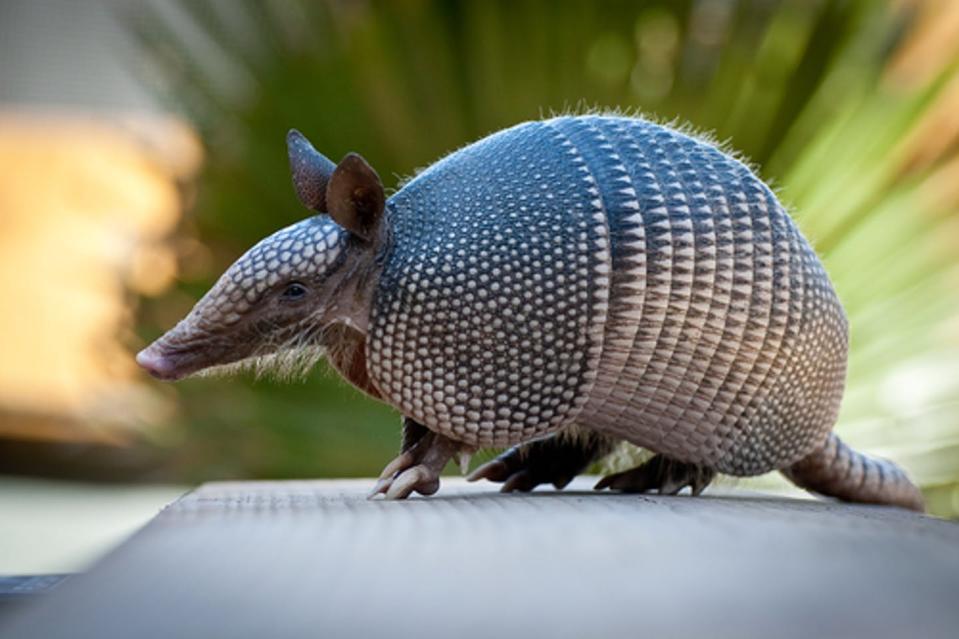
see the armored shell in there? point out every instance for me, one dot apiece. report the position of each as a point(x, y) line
point(613, 273)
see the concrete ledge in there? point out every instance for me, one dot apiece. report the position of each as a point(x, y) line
point(315, 559)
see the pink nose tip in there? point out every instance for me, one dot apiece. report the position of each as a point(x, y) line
point(155, 364)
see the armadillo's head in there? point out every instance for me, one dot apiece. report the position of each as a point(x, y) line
point(272, 306)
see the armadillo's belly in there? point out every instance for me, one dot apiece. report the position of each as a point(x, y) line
point(725, 344)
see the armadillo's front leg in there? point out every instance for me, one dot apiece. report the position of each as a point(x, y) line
point(660, 474)
point(421, 460)
point(556, 460)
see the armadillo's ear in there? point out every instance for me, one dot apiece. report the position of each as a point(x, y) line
point(311, 171)
point(355, 197)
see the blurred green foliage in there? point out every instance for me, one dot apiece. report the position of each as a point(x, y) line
point(796, 86)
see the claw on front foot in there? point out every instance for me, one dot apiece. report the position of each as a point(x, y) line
point(420, 479)
point(402, 482)
point(418, 467)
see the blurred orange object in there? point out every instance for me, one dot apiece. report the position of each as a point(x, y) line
point(85, 208)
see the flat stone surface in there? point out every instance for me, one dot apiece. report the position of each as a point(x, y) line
point(316, 559)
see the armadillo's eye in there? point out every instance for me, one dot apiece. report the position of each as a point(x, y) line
point(294, 291)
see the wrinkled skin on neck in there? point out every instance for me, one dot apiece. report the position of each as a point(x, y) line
point(275, 309)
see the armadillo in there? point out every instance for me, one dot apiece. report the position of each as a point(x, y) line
point(555, 288)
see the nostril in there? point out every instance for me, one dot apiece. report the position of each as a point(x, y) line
point(155, 364)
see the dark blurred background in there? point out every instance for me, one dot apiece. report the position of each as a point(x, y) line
point(142, 148)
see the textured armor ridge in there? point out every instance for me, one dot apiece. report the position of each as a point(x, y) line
point(616, 273)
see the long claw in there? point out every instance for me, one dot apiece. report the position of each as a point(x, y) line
point(418, 466)
point(555, 459)
point(463, 458)
point(604, 482)
point(408, 481)
point(379, 487)
point(628, 481)
point(400, 462)
point(671, 486)
point(522, 481)
point(495, 470)
point(386, 479)
point(401, 488)
point(661, 475)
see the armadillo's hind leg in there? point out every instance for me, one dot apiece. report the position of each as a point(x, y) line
point(419, 464)
point(660, 474)
point(556, 460)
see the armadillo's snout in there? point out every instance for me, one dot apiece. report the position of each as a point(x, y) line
point(155, 363)
point(185, 350)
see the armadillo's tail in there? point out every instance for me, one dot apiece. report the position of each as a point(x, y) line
point(839, 471)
